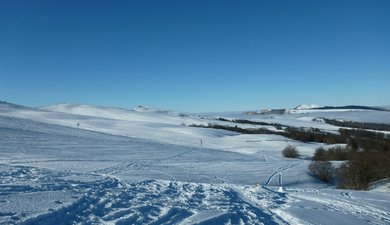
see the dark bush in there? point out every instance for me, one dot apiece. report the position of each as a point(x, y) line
point(352, 176)
point(337, 153)
point(359, 125)
point(322, 169)
point(290, 152)
point(364, 167)
point(320, 154)
point(312, 135)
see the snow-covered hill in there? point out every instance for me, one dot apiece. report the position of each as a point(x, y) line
point(122, 166)
point(304, 106)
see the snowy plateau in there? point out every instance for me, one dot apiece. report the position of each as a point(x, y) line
point(82, 164)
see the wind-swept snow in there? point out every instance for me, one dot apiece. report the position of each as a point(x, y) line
point(145, 167)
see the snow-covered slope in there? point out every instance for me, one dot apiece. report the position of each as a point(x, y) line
point(349, 113)
point(304, 106)
point(139, 114)
point(158, 126)
point(144, 167)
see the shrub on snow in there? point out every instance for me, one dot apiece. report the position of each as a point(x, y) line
point(322, 169)
point(290, 152)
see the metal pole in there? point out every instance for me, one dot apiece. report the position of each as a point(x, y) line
point(280, 180)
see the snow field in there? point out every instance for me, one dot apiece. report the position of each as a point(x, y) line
point(144, 167)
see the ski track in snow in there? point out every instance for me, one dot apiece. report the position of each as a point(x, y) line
point(115, 169)
point(348, 205)
point(280, 170)
point(107, 200)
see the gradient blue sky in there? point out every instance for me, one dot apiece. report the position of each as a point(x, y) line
point(195, 55)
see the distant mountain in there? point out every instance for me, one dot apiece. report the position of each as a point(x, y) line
point(313, 107)
point(353, 107)
point(386, 108)
point(268, 112)
point(304, 106)
point(347, 107)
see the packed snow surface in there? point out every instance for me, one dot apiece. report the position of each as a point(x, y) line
point(81, 164)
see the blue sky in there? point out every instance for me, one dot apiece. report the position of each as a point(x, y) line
point(195, 55)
